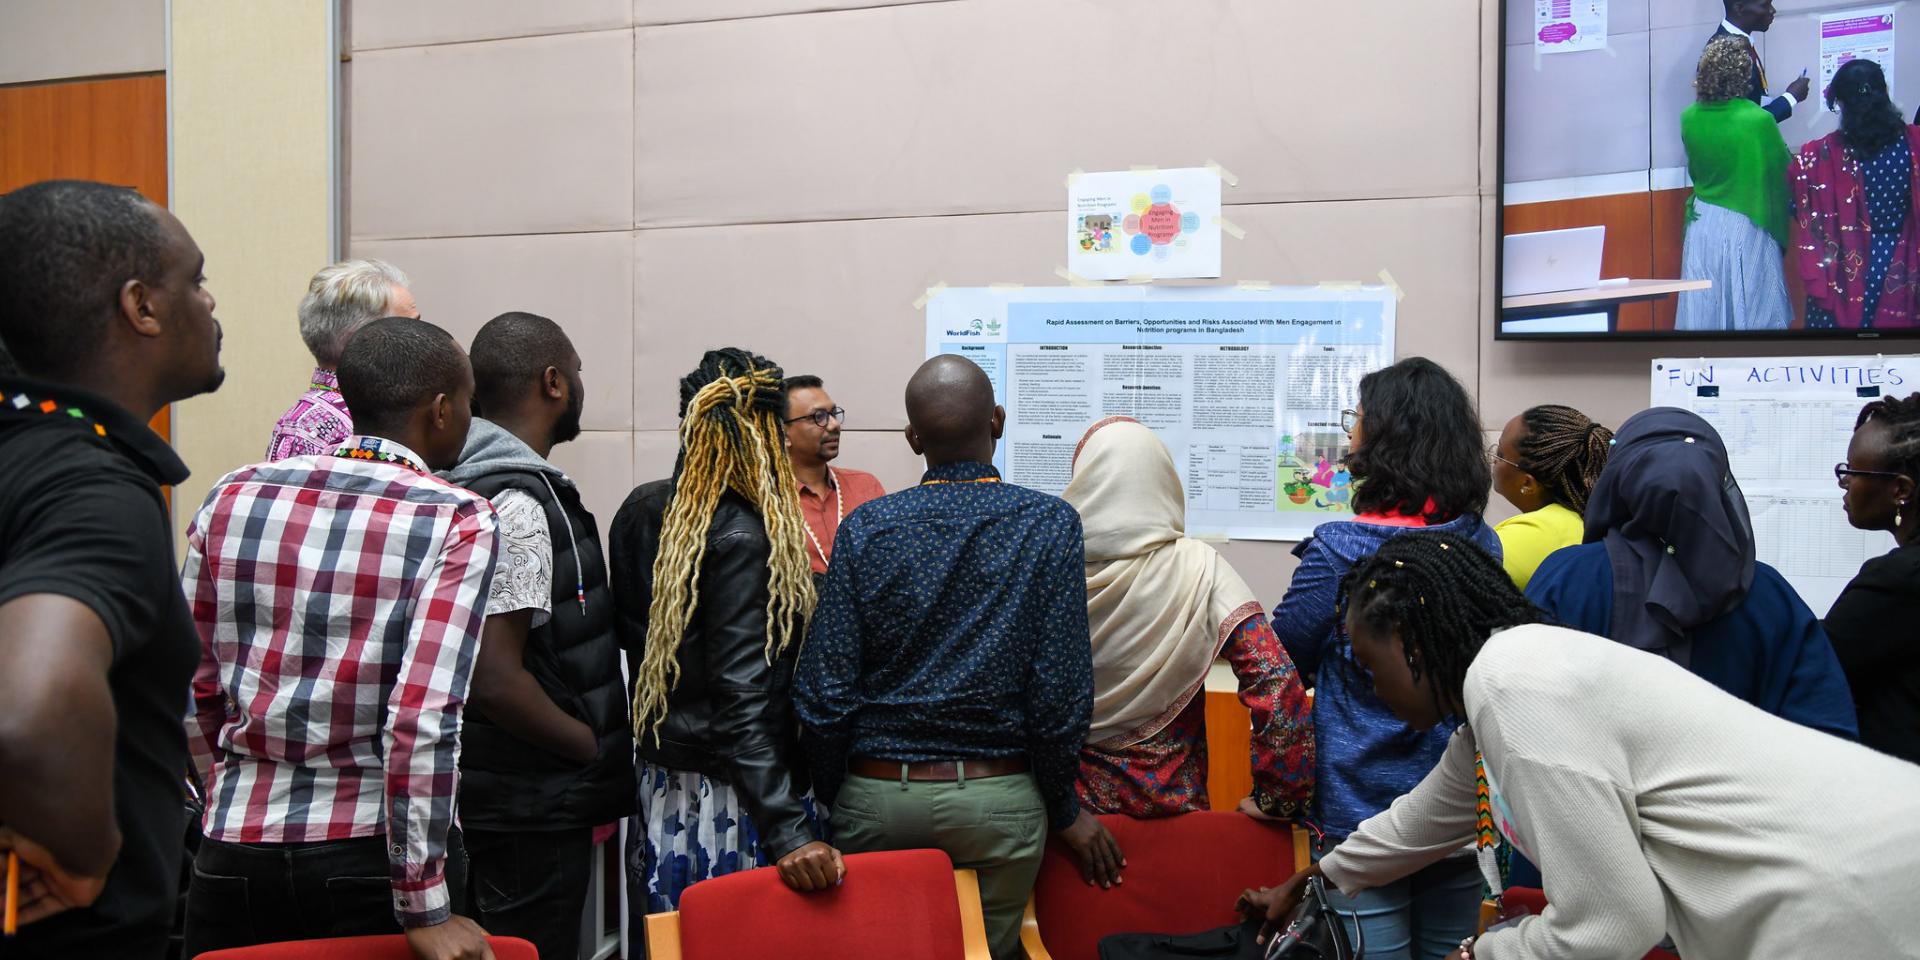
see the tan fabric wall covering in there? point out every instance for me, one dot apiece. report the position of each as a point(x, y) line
point(250, 180)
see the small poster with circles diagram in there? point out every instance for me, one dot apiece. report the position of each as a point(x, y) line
point(1155, 224)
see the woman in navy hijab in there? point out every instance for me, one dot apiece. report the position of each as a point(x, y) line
point(1668, 567)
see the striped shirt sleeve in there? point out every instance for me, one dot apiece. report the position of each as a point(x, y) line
point(423, 725)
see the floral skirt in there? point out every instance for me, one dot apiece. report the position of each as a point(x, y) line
point(690, 828)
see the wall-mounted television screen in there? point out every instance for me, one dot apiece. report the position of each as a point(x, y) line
point(1700, 168)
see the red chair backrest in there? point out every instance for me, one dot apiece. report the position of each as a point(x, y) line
point(1535, 901)
point(1182, 876)
point(901, 903)
point(389, 947)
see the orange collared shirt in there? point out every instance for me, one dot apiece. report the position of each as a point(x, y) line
point(824, 508)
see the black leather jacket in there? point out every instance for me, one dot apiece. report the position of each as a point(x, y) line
point(730, 716)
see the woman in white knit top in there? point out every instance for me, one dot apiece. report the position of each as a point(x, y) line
point(1666, 805)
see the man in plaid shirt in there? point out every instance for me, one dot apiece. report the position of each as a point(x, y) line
point(339, 600)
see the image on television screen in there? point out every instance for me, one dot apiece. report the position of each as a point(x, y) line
point(1700, 168)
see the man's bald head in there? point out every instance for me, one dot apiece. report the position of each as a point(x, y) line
point(950, 411)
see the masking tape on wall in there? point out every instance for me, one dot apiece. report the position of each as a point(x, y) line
point(1254, 285)
point(920, 302)
point(1230, 228)
point(1073, 278)
point(1006, 287)
point(1226, 176)
point(1140, 278)
point(1074, 177)
point(1387, 278)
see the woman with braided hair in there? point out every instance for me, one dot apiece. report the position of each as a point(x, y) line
point(1686, 809)
point(1880, 660)
point(1546, 464)
point(714, 592)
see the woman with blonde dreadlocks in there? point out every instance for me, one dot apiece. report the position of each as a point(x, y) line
point(714, 592)
point(1545, 464)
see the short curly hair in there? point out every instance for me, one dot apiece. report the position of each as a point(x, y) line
point(1726, 70)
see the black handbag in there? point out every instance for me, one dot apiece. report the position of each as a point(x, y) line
point(1313, 931)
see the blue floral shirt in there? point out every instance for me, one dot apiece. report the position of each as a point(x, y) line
point(952, 625)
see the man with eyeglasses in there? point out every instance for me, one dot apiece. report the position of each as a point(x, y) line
point(827, 494)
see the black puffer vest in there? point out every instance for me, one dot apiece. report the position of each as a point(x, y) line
point(507, 783)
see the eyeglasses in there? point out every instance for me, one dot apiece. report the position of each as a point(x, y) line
point(821, 418)
point(1349, 420)
point(1493, 452)
point(1843, 471)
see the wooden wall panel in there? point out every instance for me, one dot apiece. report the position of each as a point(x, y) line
point(1646, 235)
point(113, 131)
point(1628, 218)
point(1669, 237)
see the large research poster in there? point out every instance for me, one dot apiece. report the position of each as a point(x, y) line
point(1245, 386)
point(1786, 422)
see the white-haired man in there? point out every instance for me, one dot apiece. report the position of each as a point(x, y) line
point(340, 299)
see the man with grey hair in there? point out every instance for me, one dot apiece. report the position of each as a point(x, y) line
point(340, 300)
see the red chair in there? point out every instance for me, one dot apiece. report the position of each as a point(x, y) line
point(1534, 900)
point(1182, 876)
point(387, 947)
point(907, 904)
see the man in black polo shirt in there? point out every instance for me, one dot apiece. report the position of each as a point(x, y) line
point(103, 310)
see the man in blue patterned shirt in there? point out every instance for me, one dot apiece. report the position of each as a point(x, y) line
point(947, 685)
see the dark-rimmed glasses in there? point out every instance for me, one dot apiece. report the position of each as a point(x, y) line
point(1349, 419)
point(1843, 471)
point(821, 418)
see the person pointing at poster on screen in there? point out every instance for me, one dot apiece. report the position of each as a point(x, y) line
point(1744, 19)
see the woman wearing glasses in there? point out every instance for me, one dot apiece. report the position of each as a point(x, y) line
point(1668, 567)
point(1418, 464)
point(1865, 625)
point(1545, 465)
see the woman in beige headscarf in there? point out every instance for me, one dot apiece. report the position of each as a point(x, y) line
point(1161, 608)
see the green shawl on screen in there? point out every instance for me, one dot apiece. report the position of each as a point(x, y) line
point(1738, 161)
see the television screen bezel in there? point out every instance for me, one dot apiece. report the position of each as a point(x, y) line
point(1499, 259)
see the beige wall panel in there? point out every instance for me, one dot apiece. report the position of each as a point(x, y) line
point(835, 299)
point(374, 24)
point(583, 281)
point(61, 39)
point(507, 136)
point(696, 11)
point(600, 463)
point(1608, 133)
point(653, 454)
point(1687, 13)
point(250, 180)
point(983, 106)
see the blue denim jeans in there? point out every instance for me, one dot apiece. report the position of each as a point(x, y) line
point(1419, 917)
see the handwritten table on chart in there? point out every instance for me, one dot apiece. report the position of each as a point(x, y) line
point(1786, 422)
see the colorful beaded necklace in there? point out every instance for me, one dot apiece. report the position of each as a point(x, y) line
point(21, 401)
point(376, 454)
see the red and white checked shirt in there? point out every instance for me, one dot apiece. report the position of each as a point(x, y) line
point(339, 603)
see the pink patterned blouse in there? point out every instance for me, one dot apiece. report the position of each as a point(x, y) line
point(315, 424)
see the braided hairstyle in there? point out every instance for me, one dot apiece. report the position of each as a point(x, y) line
point(1564, 450)
point(1444, 595)
point(731, 438)
point(1902, 419)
